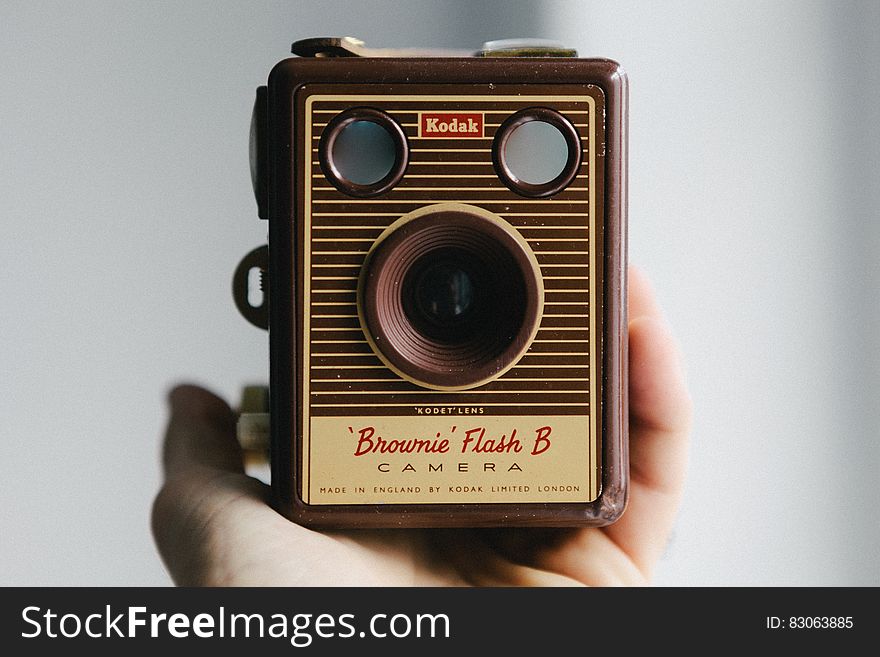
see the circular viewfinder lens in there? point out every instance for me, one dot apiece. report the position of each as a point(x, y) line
point(536, 152)
point(363, 152)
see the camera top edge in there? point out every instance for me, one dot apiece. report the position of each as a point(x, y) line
point(527, 60)
point(328, 47)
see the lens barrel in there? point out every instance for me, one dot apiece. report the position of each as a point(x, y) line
point(450, 297)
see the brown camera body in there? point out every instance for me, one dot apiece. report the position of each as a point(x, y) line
point(448, 340)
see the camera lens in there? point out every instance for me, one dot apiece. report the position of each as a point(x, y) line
point(444, 293)
point(450, 296)
point(439, 294)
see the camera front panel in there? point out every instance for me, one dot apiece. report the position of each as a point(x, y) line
point(448, 309)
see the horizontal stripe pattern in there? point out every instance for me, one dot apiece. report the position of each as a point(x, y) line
point(345, 376)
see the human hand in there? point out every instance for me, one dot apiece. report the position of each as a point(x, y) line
point(214, 526)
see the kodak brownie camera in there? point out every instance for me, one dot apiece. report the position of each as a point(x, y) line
point(444, 285)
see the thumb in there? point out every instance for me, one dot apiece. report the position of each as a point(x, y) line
point(200, 433)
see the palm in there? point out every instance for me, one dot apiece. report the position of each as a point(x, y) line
point(243, 541)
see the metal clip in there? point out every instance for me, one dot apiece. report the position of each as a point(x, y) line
point(253, 424)
point(352, 47)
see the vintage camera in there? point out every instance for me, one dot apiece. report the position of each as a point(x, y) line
point(444, 284)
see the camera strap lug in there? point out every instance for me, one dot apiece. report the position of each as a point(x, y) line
point(256, 259)
point(353, 47)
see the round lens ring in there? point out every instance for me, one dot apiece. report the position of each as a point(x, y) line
point(538, 160)
point(450, 296)
point(363, 152)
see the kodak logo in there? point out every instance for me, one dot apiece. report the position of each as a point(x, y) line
point(450, 125)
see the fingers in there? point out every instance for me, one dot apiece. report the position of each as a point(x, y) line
point(641, 298)
point(660, 416)
point(586, 556)
point(660, 407)
point(201, 433)
point(198, 521)
point(659, 401)
point(483, 558)
point(203, 475)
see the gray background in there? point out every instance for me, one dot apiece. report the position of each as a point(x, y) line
point(126, 204)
